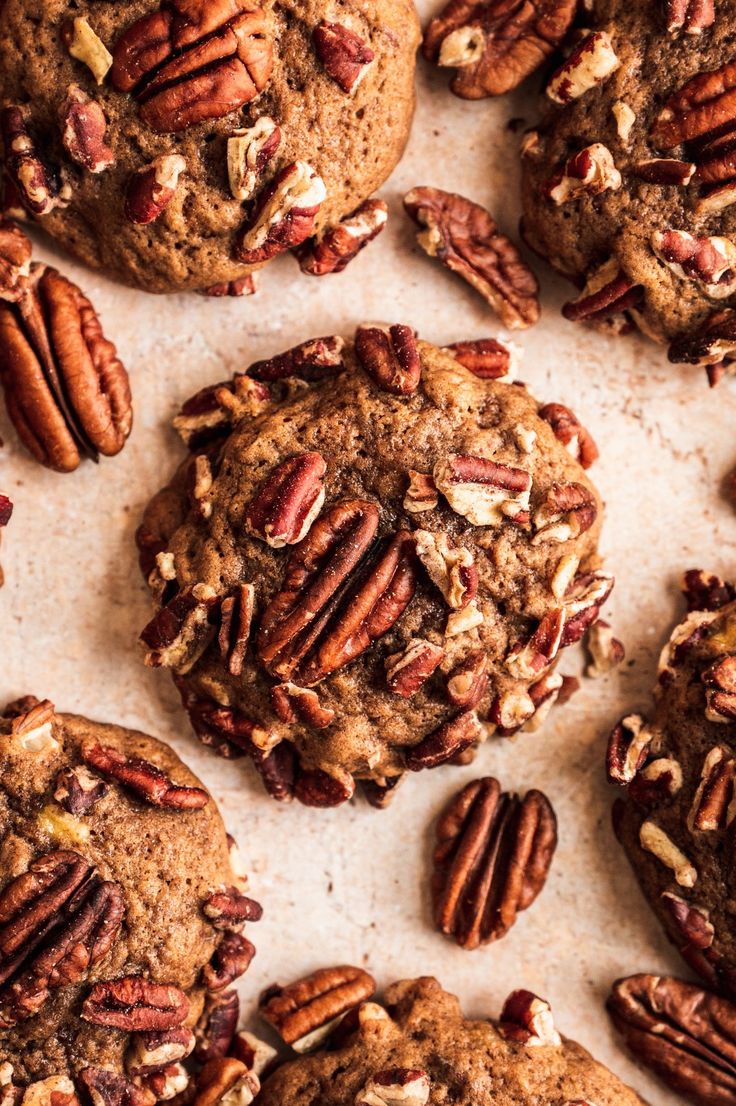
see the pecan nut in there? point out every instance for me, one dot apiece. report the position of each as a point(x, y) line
point(152, 188)
point(665, 170)
point(486, 358)
point(390, 357)
point(484, 491)
point(568, 510)
point(396, 1087)
point(691, 17)
point(465, 238)
point(84, 125)
point(526, 1018)
point(683, 1033)
point(588, 172)
point(226, 1081)
point(236, 617)
point(305, 1012)
point(15, 261)
point(710, 345)
point(229, 961)
point(142, 778)
point(35, 186)
point(720, 681)
point(234, 289)
point(322, 789)
point(291, 702)
point(312, 360)
point(468, 681)
point(421, 493)
point(209, 414)
point(193, 61)
point(249, 150)
point(150, 1052)
point(449, 740)
point(78, 791)
point(289, 500)
point(67, 393)
point(491, 860)
point(284, 215)
point(107, 1088)
point(590, 63)
point(408, 670)
point(568, 430)
point(706, 592)
point(337, 247)
point(701, 109)
point(343, 53)
point(136, 1005)
point(709, 260)
point(495, 44)
point(216, 1027)
point(229, 909)
point(450, 567)
point(84, 44)
point(607, 295)
point(181, 630)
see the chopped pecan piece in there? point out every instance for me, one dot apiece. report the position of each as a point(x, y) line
point(665, 170)
point(305, 1012)
point(568, 510)
point(208, 415)
point(692, 923)
point(312, 360)
point(288, 501)
point(491, 860)
point(570, 431)
point(229, 961)
point(606, 651)
point(236, 616)
point(6, 509)
point(33, 726)
point(712, 344)
point(450, 567)
point(152, 188)
point(396, 1087)
point(67, 393)
point(486, 358)
point(225, 1081)
point(705, 592)
point(256, 1054)
point(337, 247)
point(153, 1051)
point(449, 740)
point(468, 681)
point(228, 908)
point(720, 681)
point(318, 788)
point(170, 1082)
point(83, 131)
point(78, 791)
point(35, 185)
point(291, 702)
point(590, 171)
point(712, 806)
point(529, 659)
point(15, 261)
point(84, 44)
point(284, 214)
point(232, 289)
point(408, 670)
point(465, 238)
point(629, 747)
point(689, 16)
point(135, 1004)
point(526, 1018)
point(107, 1088)
point(56, 1090)
point(421, 494)
point(495, 44)
point(709, 260)
point(390, 357)
point(344, 54)
point(191, 62)
point(181, 630)
point(608, 293)
point(249, 150)
point(484, 491)
point(589, 64)
point(683, 1033)
point(142, 778)
point(653, 838)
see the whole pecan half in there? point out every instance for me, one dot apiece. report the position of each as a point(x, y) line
point(491, 860)
point(142, 778)
point(229, 909)
point(83, 131)
point(495, 44)
point(57, 921)
point(683, 1033)
point(336, 248)
point(67, 393)
point(191, 61)
point(304, 1013)
point(288, 501)
point(311, 360)
point(216, 1027)
point(486, 358)
point(135, 1004)
point(390, 357)
point(703, 108)
point(15, 261)
point(464, 237)
point(343, 53)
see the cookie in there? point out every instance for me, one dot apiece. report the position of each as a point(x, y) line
point(678, 769)
point(180, 146)
point(121, 914)
point(418, 1049)
point(629, 181)
point(371, 561)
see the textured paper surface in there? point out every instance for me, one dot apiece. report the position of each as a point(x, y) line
point(351, 885)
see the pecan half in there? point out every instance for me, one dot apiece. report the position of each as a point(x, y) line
point(449, 740)
point(216, 1027)
point(288, 501)
point(526, 1018)
point(84, 125)
point(208, 415)
point(486, 358)
point(311, 360)
point(483, 491)
point(229, 909)
point(691, 17)
point(15, 261)
point(284, 214)
point(142, 778)
point(191, 62)
point(152, 188)
point(395, 1087)
point(608, 293)
point(589, 64)
point(665, 170)
point(229, 961)
point(711, 809)
point(390, 357)
point(35, 186)
point(408, 670)
point(701, 109)
point(67, 393)
point(683, 1033)
point(322, 789)
point(135, 1004)
point(720, 681)
point(236, 616)
point(465, 238)
point(495, 44)
point(305, 1012)
point(570, 431)
point(249, 150)
point(337, 247)
point(344, 54)
point(491, 860)
point(57, 921)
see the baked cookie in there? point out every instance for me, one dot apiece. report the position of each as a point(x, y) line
point(121, 914)
point(630, 181)
point(180, 145)
point(675, 822)
point(371, 561)
point(417, 1049)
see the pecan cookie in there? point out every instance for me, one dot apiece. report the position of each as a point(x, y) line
point(417, 1049)
point(181, 144)
point(679, 768)
point(121, 915)
point(630, 180)
point(371, 561)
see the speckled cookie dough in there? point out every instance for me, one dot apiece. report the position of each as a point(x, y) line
point(181, 146)
point(371, 561)
point(121, 914)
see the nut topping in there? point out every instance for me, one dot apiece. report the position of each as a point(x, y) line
point(465, 238)
point(284, 215)
point(494, 45)
point(628, 749)
point(249, 151)
point(78, 791)
point(395, 1087)
point(390, 357)
point(152, 188)
point(468, 681)
point(712, 806)
point(83, 131)
point(150, 1052)
point(292, 703)
point(344, 55)
point(665, 170)
point(421, 494)
point(107, 1088)
point(710, 261)
point(567, 511)
point(590, 171)
point(408, 670)
point(287, 503)
point(15, 261)
point(606, 651)
point(229, 909)
point(691, 17)
point(692, 922)
point(141, 777)
point(225, 1081)
point(573, 435)
point(706, 592)
point(589, 64)
point(67, 393)
point(720, 680)
point(256, 1054)
point(35, 186)
point(491, 860)
point(236, 616)
point(655, 840)
point(181, 630)
point(710, 345)
point(484, 491)
point(216, 1027)
point(449, 740)
point(450, 567)
point(84, 44)
point(135, 1004)
point(337, 247)
point(305, 1012)
point(33, 728)
point(608, 294)
point(700, 109)
point(486, 358)
point(312, 360)
point(528, 1019)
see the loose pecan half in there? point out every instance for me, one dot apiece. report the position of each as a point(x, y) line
point(683, 1033)
point(491, 860)
point(142, 778)
point(192, 61)
point(15, 261)
point(305, 1012)
point(284, 214)
point(337, 247)
point(390, 357)
point(495, 44)
point(135, 1004)
point(152, 188)
point(465, 238)
point(34, 184)
point(691, 17)
point(344, 54)
point(570, 431)
point(395, 1087)
point(84, 125)
point(67, 393)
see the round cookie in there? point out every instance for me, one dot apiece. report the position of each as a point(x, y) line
point(678, 768)
point(116, 120)
point(418, 1049)
point(121, 914)
point(371, 562)
point(629, 182)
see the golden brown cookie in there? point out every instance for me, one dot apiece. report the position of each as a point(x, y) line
point(121, 914)
point(180, 145)
point(371, 561)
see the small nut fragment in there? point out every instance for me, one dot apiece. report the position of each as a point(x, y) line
point(656, 841)
point(107, 1088)
point(343, 53)
point(608, 293)
point(483, 491)
point(589, 172)
point(691, 17)
point(468, 681)
point(217, 1024)
point(692, 922)
point(305, 1012)
point(155, 1050)
point(606, 651)
point(292, 702)
point(225, 1081)
point(450, 567)
point(152, 188)
point(35, 186)
point(447, 741)
point(234, 289)
point(249, 150)
point(465, 238)
point(628, 748)
point(589, 64)
point(143, 778)
point(287, 503)
point(84, 44)
point(78, 790)
point(706, 592)
point(408, 670)
point(56, 1090)
point(709, 260)
point(33, 729)
point(528, 1019)
point(712, 344)
point(338, 245)
point(568, 430)
point(284, 215)
point(390, 357)
point(712, 807)
point(6, 509)
point(395, 1087)
point(421, 494)
point(83, 131)
point(180, 630)
point(720, 680)
point(256, 1054)
point(15, 261)
point(625, 119)
point(568, 510)
point(529, 659)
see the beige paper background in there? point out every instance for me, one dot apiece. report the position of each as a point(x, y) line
point(351, 885)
